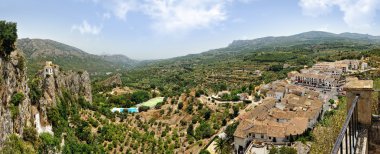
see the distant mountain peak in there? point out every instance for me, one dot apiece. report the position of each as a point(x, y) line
point(314, 36)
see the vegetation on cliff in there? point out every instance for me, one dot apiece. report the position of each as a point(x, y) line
point(8, 37)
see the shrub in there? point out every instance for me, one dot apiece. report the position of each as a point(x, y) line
point(21, 62)
point(35, 91)
point(29, 134)
point(158, 106)
point(143, 108)
point(17, 98)
point(331, 101)
point(14, 144)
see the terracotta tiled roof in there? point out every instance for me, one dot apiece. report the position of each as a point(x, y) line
point(276, 131)
point(297, 112)
point(241, 130)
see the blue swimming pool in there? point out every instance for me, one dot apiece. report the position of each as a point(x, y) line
point(133, 110)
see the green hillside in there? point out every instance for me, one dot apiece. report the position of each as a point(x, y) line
point(37, 51)
point(236, 64)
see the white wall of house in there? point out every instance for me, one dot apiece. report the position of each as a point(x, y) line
point(42, 129)
point(48, 71)
point(279, 95)
point(240, 142)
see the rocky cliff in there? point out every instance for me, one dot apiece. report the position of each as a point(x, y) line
point(15, 106)
point(54, 83)
point(114, 80)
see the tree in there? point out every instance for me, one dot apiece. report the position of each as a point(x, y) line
point(257, 96)
point(224, 122)
point(235, 98)
point(14, 144)
point(140, 96)
point(230, 130)
point(275, 68)
point(273, 150)
point(48, 143)
point(189, 108)
point(204, 130)
point(226, 97)
point(220, 145)
point(8, 37)
point(223, 87)
point(190, 129)
point(199, 92)
point(236, 111)
point(153, 86)
point(180, 105)
point(207, 114)
point(143, 108)
point(203, 151)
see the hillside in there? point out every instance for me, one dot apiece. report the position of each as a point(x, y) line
point(238, 63)
point(37, 51)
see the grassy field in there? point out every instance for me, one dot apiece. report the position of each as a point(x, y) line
point(152, 102)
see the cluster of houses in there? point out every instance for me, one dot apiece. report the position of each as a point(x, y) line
point(290, 108)
point(288, 111)
point(325, 74)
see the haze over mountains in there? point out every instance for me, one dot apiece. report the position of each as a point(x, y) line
point(39, 50)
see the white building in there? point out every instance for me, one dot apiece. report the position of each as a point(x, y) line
point(42, 129)
point(48, 69)
point(364, 65)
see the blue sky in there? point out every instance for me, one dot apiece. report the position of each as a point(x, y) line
point(151, 29)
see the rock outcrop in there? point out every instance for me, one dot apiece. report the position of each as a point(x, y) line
point(114, 80)
point(13, 80)
point(53, 82)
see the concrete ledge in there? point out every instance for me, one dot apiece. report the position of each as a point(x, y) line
point(359, 85)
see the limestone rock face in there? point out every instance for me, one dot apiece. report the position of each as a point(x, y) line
point(77, 84)
point(112, 81)
point(13, 80)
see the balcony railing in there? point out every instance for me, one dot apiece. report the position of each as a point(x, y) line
point(348, 136)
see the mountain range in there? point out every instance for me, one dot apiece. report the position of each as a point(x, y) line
point(37, 51)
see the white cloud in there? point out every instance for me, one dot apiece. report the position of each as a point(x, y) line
point(86, 28)
point(357, 13)
point(120, 8)
point(173, 16)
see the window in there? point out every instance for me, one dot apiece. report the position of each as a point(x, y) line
point(262, 135)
